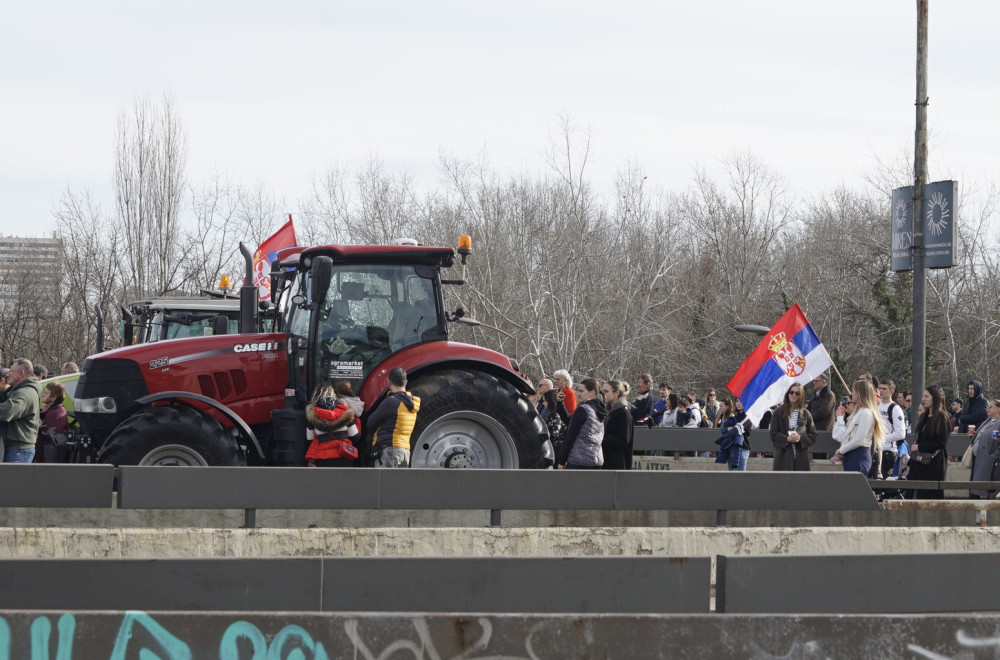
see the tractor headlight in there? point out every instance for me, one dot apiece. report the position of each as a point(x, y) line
point(101, 404)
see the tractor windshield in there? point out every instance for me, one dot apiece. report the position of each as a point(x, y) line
point(168, 326)
point(370, 312)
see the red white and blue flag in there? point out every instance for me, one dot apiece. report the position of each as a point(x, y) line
point(267, 253)
point(789, 353)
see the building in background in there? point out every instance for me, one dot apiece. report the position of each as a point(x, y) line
point(40, 259)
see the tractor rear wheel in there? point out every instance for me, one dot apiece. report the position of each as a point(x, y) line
point(469, 419)
point(168, 435)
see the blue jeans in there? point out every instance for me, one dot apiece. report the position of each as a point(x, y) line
point(18, 455)
point(858, 460)
point(741, 462)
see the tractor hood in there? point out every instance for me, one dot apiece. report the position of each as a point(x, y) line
point(245, 372)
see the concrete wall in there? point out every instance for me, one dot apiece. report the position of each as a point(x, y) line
point(173, 636)
point(124, 543)
point(336, 518)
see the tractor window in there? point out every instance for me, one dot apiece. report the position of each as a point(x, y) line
point(369, 313)
point(199, 328)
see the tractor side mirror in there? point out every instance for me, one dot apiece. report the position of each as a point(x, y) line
point(220, 325)
point(322, 274)
point(128, 328)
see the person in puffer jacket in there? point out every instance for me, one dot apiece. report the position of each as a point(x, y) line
point(332, 428)
point(582, 449)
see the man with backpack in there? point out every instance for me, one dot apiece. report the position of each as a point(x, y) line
point(894, 423)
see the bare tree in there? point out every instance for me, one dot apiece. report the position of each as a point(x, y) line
point(375, 206)
point(227, 213)
point(150, 156)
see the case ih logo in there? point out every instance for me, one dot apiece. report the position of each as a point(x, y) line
point(256, 348)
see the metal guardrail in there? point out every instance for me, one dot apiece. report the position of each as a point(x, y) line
point(494, 490)
point(877, 584)
point(64, 486)
point(618, 585)
point(249, 489)
point(754, 584)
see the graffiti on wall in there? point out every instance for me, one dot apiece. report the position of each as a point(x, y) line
point(140, 635)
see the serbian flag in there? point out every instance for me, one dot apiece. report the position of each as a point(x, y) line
point(789, 353)
point(268, 253)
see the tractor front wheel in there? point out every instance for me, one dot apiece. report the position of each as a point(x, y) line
point(168, 435)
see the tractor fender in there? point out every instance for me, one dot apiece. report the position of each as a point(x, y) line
point(238, 423)
point(421, 358)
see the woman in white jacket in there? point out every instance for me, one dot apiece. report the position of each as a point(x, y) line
point(860, 434)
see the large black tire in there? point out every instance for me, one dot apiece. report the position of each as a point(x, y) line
point(169, 435)
point(471, 419)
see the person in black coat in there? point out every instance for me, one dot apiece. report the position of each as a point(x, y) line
point(932, 429)
point(617, 444)
point(823, 403)
point(974, 411)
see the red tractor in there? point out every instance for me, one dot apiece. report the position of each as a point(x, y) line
point(343, 312)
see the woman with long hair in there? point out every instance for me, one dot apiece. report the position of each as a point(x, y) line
point(928, 455)
point(711, 410)
point(617, 444)
point(548, 409)
point(582, 449)
point(860, 435)
point(792, 432)
point(670, 414)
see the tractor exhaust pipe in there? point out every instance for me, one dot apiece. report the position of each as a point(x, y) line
point(248, 294)
point(100, 328)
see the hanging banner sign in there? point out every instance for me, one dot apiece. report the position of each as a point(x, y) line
point(940, 218)
point(902, 229)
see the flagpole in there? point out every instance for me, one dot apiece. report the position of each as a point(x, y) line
point(834, 366)
point(842, 382)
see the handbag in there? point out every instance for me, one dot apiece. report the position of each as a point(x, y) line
point(346, 449)
point(922, 457)
point(967, 458)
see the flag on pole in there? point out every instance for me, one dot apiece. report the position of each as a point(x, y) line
point(789, 353)
point(268, 253)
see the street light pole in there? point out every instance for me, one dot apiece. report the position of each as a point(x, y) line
point(919, 179)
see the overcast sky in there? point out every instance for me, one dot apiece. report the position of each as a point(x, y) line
point(278, 92)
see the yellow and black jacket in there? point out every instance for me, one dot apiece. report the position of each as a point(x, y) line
point(394, 420)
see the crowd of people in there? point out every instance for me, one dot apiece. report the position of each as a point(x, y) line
point(30, 413)
point(591, 426)
point(591, 423)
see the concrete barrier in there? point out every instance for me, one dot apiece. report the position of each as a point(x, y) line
point(173, 636)
point(130, 543)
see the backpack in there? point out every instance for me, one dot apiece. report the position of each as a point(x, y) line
point(703, 424)
point(892, 425)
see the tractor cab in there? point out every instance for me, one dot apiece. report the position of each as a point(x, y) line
point(345, 316)
point(157, 319)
